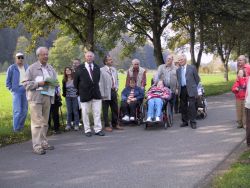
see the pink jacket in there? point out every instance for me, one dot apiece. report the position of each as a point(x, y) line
point(157, 92)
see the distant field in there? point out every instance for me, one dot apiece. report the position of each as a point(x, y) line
point(214, 84)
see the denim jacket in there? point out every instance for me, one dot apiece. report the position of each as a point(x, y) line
point(13, 76)
point(138, 92)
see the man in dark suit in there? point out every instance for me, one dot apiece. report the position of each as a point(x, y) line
point(188, 80)
point(86, 80)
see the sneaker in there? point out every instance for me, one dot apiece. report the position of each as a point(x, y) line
point(76, 128)
point(67, 128)
point(157, 119)
point(39, 151)
point(149, 119)
point(132, 119)
point(125, 118)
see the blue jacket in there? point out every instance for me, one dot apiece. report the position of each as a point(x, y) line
point(138, 92)
point(13, 76)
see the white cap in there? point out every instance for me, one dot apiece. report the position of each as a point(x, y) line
point(19, 54)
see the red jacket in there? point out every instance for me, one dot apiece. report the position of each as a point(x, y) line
point(239, 88)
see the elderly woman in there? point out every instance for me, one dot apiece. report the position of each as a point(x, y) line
point(155, 96)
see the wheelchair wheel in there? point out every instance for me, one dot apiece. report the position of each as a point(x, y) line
point(169, 114)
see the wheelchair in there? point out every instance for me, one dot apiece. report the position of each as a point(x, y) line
point(138, 115)
point(166, 115)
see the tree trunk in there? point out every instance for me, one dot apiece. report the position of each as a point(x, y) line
point(192, 39)
point(226, 71)
point(90, 28)
point(157, 49)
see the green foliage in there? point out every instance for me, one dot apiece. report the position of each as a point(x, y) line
point(62, 52)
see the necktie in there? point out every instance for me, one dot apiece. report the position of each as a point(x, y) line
point(113, 83)
point(90, 70)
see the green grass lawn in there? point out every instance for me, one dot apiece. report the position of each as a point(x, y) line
point(214, 84)
point(237, 176)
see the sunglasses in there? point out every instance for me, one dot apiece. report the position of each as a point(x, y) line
point(20, 57)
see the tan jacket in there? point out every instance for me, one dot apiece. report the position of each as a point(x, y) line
point(31, 85)
point(106, 82)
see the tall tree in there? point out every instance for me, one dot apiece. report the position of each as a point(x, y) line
point(86, 21)
point(148, 19)
point(62, 52)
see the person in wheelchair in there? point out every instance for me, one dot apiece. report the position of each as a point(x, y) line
point(155, 100)
point(131, 97)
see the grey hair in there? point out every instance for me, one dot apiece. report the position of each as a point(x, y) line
point(183, 56)
point(90, 52)
point(135, 60)
point(243, 56)
point(38, 50)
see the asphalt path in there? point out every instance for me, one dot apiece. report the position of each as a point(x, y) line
point(132, 158)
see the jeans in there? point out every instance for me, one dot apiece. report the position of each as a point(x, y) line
point(20, 108)
point(154, 107)
point(72, 107)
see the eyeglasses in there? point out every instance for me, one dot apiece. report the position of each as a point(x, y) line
point(20, 57)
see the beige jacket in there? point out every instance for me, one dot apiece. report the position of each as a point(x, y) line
point(106, 82)
point(31, 85)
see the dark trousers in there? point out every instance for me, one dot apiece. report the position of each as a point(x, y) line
point(114, 109)
point(129, 109)
point(176, 104)
point(187, 106)
point(54, 115)
point(248, 126)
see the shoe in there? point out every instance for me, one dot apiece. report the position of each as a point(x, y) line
point(57, 132)
point(39, 151)
point(118, 127)
point(125, 118)
point(108, 129)
point(48, 147)
point(149, 119)
point(100, 133)
point(67, 128)
point(76, 128)
point(240, 126)
point(184, 125)
point(193, 125)
point(88, 134)
point(132, 118)
point(157, 119)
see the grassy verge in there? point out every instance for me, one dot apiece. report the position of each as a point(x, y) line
point(214, 84)
point(237, 176)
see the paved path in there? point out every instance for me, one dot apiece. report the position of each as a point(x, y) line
point(133, 158)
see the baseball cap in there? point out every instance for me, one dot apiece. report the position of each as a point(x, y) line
point(19, 54)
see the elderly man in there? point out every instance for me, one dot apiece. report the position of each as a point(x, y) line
point(188, 80)
point(14, 82)
point(37, 77)
point(86, 80)
point(136, 73)
point(242, 64)
point(167, 73)
point(109, 86)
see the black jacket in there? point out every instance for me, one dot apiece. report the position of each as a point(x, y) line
point(87, 88)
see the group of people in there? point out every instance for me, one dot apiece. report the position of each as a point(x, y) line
point(89, 88)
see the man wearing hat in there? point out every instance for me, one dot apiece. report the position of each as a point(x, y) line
point(14, 82)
